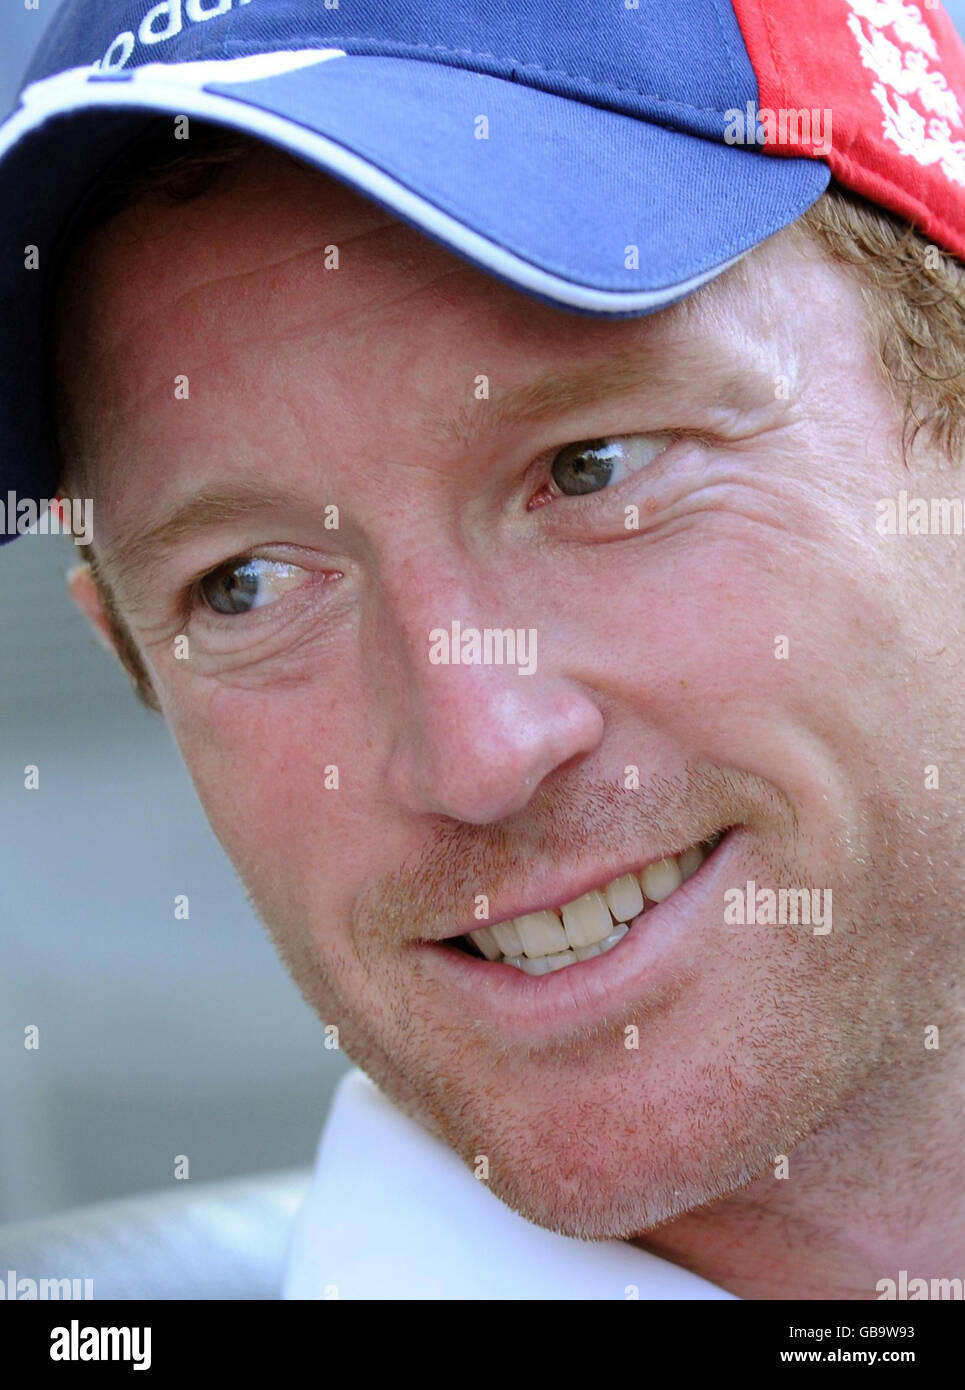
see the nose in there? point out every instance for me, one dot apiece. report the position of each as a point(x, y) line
point(480, 740)
point(477, 737)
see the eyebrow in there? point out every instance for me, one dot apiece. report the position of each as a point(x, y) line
point(646, 364)
point(130, 555)
point(642, 364)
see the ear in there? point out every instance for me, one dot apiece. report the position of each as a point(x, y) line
point(83, 589)
point(94, 601)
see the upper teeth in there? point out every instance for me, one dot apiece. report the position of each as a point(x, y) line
point(539, 942)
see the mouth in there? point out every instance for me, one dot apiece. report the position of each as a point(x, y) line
point(539, 943)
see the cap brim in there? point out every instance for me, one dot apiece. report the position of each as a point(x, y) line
point(584, 208)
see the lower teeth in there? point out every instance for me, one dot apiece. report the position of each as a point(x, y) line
point(544, 965)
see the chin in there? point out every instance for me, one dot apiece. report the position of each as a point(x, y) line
point(637, 1195)
point(604, 1163)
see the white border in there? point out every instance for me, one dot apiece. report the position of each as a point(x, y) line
point(176, 87)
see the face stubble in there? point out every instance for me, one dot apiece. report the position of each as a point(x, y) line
point(762, 1036)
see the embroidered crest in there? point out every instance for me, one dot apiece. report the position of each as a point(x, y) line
point(921, 114)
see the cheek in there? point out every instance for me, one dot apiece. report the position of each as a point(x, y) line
point(278, 774)
point(753, 649)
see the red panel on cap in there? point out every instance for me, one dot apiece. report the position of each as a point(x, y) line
point(892, 75)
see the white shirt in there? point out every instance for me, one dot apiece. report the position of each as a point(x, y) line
point(393, 1213)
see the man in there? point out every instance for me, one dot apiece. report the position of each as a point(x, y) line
point(535, 537)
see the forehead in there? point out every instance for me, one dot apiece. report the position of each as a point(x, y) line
point(280, 266)
point(269, 218)
point(260, 215)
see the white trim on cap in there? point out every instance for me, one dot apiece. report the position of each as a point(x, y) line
point(178, 88)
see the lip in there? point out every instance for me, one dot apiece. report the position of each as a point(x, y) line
point(525, 1008)
point(585, 884)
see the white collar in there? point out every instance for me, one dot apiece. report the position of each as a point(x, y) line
point(393, 1213)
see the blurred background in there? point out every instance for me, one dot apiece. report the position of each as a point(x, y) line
point(157, 1037)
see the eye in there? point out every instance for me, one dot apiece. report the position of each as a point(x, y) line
point(591, 465)
point(241, 585)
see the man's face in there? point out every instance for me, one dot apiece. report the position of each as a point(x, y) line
point(724, 643)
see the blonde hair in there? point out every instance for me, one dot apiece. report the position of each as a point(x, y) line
point(915, 297)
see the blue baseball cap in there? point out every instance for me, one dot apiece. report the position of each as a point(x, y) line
point(579, 150)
